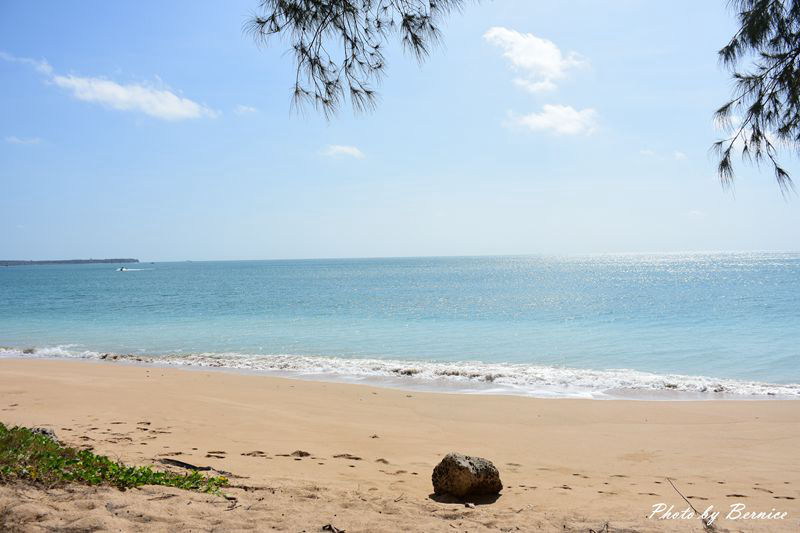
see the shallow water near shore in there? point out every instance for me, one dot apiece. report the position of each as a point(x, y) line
point(669, 325)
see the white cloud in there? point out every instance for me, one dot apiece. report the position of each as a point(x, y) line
point(40, 65)
point(244, 109)
point(539, 60)
point(677, 155)
point(336, 150)
point(559, 119)
point(12, 139)
point(732, 127)
point(158, 103)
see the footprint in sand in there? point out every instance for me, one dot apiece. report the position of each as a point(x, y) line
point(736, 496)
point(216, 454)
point(784, 497)
point(763, 490)
point(347, 456)
point(382, 461)
point(697, 498)
point(397, 473)
point(255, 453)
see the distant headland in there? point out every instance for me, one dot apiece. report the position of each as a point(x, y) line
point(66, 262)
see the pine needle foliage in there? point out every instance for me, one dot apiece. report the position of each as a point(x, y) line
point(764, 111)
point(338, 44)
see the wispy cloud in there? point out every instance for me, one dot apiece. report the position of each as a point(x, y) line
point(244, 109)
point(40, 65)
point(677, 155)
point(559, 119)
point(13, 139)
point(338, 150)
point(161, 103)
point(539, 60)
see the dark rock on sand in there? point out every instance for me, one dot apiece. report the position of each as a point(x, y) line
point(461, 475)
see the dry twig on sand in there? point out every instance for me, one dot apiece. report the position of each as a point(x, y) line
point(707, 525)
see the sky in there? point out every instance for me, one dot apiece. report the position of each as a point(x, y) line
point(159, 130)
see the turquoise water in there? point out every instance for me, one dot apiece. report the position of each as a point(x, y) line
point(575, 326)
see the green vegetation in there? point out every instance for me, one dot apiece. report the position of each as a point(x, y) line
point(25, 455)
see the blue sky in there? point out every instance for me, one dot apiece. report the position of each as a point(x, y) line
point(159, 130)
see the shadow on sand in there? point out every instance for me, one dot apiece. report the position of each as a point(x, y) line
point(486, 499)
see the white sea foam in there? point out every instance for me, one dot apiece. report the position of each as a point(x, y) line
point(462, 376)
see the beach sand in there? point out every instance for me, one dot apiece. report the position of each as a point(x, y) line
point(567, 465)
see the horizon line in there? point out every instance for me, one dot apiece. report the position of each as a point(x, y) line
point(453, 256)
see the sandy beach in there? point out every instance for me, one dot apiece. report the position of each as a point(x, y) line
point(567, 465)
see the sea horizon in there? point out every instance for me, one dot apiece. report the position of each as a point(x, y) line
point(438, 256)
point(571, 325)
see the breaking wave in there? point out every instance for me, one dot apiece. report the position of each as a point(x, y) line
point(462, 376)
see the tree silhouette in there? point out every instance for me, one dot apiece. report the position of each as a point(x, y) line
point(764, 112)
point(338, 44)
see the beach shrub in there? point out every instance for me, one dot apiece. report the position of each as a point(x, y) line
point(38, 458)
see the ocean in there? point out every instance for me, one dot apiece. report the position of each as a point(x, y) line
point(665, 326)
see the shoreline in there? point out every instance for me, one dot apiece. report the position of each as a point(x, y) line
point(565, 463)
point(456, 377)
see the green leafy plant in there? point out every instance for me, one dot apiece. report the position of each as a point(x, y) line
point(29, 456)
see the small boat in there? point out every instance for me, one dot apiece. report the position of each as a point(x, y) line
point(122, 269)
